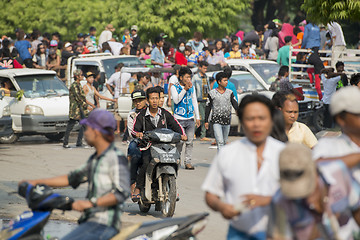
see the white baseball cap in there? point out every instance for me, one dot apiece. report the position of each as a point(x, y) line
point(347, 99)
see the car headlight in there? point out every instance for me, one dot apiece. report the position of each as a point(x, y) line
point(309, 105)
point(6, 111)
point(33, 110)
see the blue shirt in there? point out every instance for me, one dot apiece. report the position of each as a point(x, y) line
point(311, 36)
point(230, 86)
point(158, 56)
point(23, 48)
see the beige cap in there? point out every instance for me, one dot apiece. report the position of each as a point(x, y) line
point(347, 99)
point(134, 27)
point(297, 171)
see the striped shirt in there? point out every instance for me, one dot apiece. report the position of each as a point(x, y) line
point(107, 173)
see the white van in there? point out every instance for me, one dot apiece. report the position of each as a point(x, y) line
point(41, 104)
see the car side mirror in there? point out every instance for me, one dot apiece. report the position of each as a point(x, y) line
point(2, 94)
point(13, 93)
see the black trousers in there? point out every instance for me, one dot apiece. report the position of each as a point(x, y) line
point(328, 120)
point(69, 127)
point(146, 157)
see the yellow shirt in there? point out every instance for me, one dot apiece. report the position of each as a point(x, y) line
point(300, 133)
point(235, 54)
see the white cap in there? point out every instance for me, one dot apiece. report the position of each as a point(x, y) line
point(67, 45)
point(347, 99)
point(134, 27)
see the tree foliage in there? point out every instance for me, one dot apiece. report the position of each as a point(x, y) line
point(324, 11)
point(175, 18)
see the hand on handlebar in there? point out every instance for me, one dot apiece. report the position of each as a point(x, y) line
point(184, 137)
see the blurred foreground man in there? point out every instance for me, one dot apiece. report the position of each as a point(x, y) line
point(245, 174)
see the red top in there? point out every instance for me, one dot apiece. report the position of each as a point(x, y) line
point(180, 59)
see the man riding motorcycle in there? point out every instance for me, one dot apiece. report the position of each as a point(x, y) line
point(148, 119)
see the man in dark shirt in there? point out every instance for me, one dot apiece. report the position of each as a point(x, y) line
point(150, 119)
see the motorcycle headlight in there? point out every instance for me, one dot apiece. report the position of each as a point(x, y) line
point(33, 110)
point(6, 111)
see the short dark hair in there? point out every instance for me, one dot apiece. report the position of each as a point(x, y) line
point(220, 76)
point(57, 34)
point(234, 44)
point(203, 63)
point(283, 70)
point(280, 97)
point(259, 28)
point(296, 30)
point(355, 79)
point(161, 89)
point(158, 39)
point(228, 71)
point(119, 65)
point(288, 39)
point(252, 99)
point(339, 64)
point(152, 90)
point(183, 71)
point(91, 29)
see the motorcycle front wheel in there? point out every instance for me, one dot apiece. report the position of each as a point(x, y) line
point(169, 191)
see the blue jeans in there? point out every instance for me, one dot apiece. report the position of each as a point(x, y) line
point(91, 231)
point(135, 160)
point(221, 133)
point(234, 234)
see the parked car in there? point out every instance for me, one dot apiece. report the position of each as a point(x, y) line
point(245, 84)
point(265, 72)
point(39, 106)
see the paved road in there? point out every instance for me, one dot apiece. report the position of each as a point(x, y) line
point(36, 157)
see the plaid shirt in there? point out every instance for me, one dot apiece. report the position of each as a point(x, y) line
point(105, 173)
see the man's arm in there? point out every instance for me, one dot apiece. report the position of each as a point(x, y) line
point(208, 108)
point(137, 129)
point(177, 97)
point(350, 160)
point(228, 211)
point(59, 181)
point(234, 103)
point(195, 104)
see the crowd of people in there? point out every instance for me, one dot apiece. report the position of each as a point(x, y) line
point(277, 182)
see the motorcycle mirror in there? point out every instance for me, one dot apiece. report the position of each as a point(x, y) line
point(2, 94)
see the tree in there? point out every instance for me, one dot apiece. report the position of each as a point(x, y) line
point(175, 18)
point(324, 11)
point(266, 10)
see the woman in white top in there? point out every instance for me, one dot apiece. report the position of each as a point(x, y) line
point(91, 92)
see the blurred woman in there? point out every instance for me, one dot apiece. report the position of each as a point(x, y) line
point(272, 44)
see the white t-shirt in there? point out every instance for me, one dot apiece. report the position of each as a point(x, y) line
point(115, 47)
point(234, 173)
point(330, 147)
point(105, 36)
point(121, 82)
point(336, 31)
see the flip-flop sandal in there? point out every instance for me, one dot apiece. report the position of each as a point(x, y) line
point(135, 197)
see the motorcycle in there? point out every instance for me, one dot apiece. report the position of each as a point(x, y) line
point(42, 200)
point(160, 177)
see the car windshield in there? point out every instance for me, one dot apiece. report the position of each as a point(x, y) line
point(246, 83)
point(109, 64)
point(42, 85)
point(267, 71)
